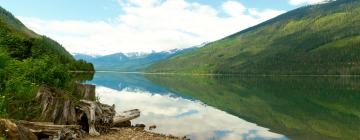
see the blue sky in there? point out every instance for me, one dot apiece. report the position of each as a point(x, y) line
point(106, 9)
point(64, 9)
point(100, 27)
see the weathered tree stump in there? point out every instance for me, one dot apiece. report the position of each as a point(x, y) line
point(86, 91)
point(98, 116)
point(88, 115)
point(56, 107)
point(66, 120)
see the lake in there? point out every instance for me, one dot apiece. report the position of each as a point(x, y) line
point(238, 107)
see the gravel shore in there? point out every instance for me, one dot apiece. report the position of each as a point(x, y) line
point(132, 133)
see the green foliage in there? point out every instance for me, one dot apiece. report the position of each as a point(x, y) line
point(44, 45)
point(4, 58)
point(3, 61)
point(22, 80)
point(316, 39)
point(28, 61)
point(81, 65)
point(40, 71)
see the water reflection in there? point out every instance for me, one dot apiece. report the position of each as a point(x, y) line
point(179, 116)
point(171, 113)
point(297, 107)
point(120, 81)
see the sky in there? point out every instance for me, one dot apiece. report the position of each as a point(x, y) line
point(102, 27)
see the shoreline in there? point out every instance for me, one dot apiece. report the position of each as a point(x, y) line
point(132, 133)
point(240, 75)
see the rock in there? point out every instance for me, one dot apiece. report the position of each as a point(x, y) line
point(124, 124)
point(185, 138)
point(140, 125)
point(152, 127)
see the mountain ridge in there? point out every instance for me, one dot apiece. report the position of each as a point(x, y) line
point(130, 62)
point(300, 42)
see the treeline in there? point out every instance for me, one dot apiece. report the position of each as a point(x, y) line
point(82, 66)
point(28, 61)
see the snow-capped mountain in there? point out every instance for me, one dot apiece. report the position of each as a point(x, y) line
point(130, 62)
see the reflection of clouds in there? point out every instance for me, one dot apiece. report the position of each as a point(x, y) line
point(178, 116)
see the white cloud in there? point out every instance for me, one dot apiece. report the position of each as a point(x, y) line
point(141, 3)
point(153, 25)
point(299, 2)
point(234, 8)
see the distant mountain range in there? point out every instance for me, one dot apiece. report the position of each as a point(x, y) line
point(321, 39)
point(130, 62)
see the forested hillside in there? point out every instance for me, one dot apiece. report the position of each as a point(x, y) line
point(28, 60)
point(315, 39)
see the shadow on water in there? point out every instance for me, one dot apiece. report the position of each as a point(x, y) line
point(298, 107)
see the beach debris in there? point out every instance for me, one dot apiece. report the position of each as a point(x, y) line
point(139, 126)
point(152, 127)
point(126, 116)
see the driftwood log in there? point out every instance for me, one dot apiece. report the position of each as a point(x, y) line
point(66, 119)
point(51, 131)
point(125, 116)
point(10, 130)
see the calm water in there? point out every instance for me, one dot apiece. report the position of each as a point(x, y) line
point(235, 108)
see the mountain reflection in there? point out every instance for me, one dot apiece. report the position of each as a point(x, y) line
point(183, 117)
point(234, 107)
point(171, 112)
